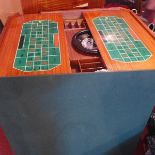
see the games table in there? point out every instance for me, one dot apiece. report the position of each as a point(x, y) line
point(75, 114)
point(41, 43)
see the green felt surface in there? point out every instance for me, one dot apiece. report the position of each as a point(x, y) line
point(38, 52)
point(119, 42)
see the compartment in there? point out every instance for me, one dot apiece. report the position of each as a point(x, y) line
point(91, 65)
point(73, 54)
point(74, 24)
point(79, 61)
point(87, 65)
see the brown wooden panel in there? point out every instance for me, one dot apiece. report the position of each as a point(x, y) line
point(135, 24)
point(139, 5)
point(10, 42)
point(37, 6)
point(73, 54)
point(96, 3)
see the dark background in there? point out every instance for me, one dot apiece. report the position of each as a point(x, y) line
point(1, 26)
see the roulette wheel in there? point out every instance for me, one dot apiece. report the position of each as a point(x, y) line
point(84, 43)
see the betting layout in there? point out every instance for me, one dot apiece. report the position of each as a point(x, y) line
point(123, 40)
point(37, 50)
point(119, 42)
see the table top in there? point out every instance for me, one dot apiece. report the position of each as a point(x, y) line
point(123, 40)
point(82, 114)
point(37, 46)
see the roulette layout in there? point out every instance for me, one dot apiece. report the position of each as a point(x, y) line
point(37, 50)
point(38, 46)
point(118, 40)
point(126, 40)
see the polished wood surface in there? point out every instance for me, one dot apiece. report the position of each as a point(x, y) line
point(10, 42)
point(37, 6)
point(96, 3)
point(73, 54)
point(142, 31)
